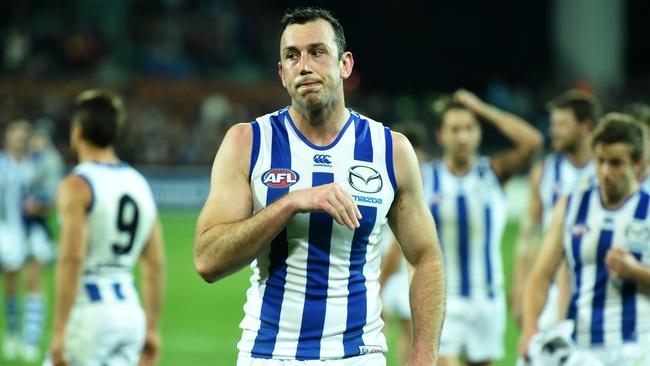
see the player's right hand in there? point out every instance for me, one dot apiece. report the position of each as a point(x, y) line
point(330, 198)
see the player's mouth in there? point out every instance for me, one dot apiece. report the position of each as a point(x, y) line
point(308, 84)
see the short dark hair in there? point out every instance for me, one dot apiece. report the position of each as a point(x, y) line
point(584, 105)
point(445, 104)
point(304, 15)
point(619, 128)
point(100, 113)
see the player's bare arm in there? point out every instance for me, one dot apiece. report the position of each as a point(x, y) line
point(527, 245)
point(390, 262)
point(414, 229)
point(152, 270)
point(526, 138)
point(549, 260)
point(228, 235)
point(73, 199)
point(622, 264)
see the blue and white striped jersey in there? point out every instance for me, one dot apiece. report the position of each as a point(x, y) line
point(470, 215)
point(15, 178)
point(559, 178)
point(314, 293)
point(645, 183)
point(607, 311)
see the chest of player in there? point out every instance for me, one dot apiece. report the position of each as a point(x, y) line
point(588, 239)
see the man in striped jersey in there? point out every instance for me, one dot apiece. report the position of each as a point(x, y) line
point(304, 193)
point(602, 232)
point(573, 115)
point(465, 194)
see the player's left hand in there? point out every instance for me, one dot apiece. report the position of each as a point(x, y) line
point(151, 349)
point(468, 99)
point(56, 350)
point(621, 263)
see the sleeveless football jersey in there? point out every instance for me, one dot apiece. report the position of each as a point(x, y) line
point(559, 178)
point(314, 292)
point(607, 311)
point(120, 218)
point(470, 214)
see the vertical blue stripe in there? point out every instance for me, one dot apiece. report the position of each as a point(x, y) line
point(435, 210)
point(277, 271)
point(389, 158)
point(117, 288)
point(488, 251)
point(576, 242)
point(93, 292)
point(463, 245)
point(628, 317)
point(363, 140)
point(557, 177)
point(357, 302)
point(629, 288)
point(318, 263)
point(600, 288)
point(255, 152)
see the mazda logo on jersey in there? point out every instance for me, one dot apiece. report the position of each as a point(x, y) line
point(365, 179)
point(280, 178)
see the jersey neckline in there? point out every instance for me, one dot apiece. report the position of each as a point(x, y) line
point(312, 145)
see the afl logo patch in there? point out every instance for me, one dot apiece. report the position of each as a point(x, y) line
point(280, 178)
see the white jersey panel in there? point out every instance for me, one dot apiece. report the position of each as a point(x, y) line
point(607, 311)
point(470, 215)
point(559, 178)
point(314, 292)
point(120, 218)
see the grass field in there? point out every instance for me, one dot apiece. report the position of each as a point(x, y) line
point(200, 321)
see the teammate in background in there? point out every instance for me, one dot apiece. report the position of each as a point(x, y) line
point(573, 115)
point(641, 113)
point(108, 222)
point(39, 200)
point(394, 278)
point(15, 175)
point(304, 194)
point(465, 192)
point(601, 232)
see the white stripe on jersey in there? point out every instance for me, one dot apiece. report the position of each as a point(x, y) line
point(120, 218)
point(559, 178)
point(15, 177)
point(314, 293)
point(607, 311)
point(470, 214)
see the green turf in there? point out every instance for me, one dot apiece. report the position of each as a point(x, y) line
point(200, 322)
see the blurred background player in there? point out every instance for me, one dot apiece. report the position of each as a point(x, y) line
point(641, 113)
point(15, 175)
point(108, 221)
point(573, 115)
point(394, 277)
point(39, 200)
point(601, 231)
point(465, 194)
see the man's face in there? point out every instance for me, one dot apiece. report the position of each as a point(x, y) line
point(309, 66)
point(566, 131)
point(460, 134)
point(16, 139)
point(615, 169)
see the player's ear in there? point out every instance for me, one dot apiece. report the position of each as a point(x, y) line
point(281, 73)
point(346, 63)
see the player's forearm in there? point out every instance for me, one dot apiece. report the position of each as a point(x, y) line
point(427, 297)
point(517, 130)
point(225, 248)
point(535, 295)
point(641, 274)
point(68, 272)
point(153, 274)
